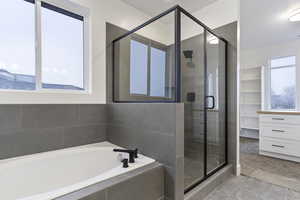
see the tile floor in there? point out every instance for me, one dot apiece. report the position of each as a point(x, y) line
point(263, 178)
point(194, 160)
point(276, 171)
point(247, 188)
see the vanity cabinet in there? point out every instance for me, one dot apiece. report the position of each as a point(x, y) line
point(279, 134)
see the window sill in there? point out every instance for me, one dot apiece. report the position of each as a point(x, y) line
point(47, 91)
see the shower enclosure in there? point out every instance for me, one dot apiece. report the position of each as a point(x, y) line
point(175, 58)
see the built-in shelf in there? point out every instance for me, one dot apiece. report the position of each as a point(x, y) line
point(250, 79)
point(250, 128)
point(251, 91)
point(251, 104)
point(249, 116)
point(251, 68)
point(250, 96)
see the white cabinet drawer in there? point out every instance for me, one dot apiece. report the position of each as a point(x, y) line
point(280, 131)
point(290, 148)
point(280, 119)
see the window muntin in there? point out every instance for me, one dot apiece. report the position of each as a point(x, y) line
point(62, 51)
point(147, 69)
point(157, 72)
point(17, 49)
point(31, 64)
point(283, 83)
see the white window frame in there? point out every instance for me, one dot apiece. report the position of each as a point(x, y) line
point(269, 79)
point(76, 9)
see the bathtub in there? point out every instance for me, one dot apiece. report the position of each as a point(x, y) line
point(50, 175)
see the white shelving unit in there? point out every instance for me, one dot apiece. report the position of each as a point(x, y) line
point(250, 100)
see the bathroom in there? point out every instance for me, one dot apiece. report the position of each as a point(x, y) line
point(103, 100)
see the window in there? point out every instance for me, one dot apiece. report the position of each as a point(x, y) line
point(283, 83)
point(36, 52)
point(158, 72)
point(138, 68)
point(62, 51)
point(17, 49)
point(147, 70)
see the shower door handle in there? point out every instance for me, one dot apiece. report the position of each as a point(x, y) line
point(213, 102)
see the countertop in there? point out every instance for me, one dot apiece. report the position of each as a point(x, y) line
point(279, 112)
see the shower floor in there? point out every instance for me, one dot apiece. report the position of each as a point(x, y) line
point(194, 157)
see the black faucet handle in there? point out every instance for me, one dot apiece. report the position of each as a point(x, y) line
point(132, 153)
point(136, 152)
point(125, 163)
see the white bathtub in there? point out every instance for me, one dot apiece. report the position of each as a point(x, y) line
point(49, 175)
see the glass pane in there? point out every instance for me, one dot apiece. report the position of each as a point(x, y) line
point(281, 62)
point(216, 84)
point(283, 88)
point(144, 67)
point(138, 67)
point(62, 51)
point(17, 49)
point(193, 81)
point(158, 72)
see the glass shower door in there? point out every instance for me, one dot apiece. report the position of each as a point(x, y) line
point(204, 94)
point(193, 95)
point(215, 103)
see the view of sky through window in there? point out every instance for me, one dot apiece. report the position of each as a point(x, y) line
point(158, 72)
point(283, 82)
point(62, 51)
point(139, 74)
point(138, 68)
point(17, 49)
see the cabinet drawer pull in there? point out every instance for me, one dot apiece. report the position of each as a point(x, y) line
point(276, 130)
point(276, 118)
point(279, 146)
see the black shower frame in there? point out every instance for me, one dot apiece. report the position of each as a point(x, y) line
point(178, 10)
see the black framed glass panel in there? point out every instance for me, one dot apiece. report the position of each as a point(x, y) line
point(144, 69)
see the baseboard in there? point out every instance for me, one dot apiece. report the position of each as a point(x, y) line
point(201, 191)
point(238, 170)
point(280, 156)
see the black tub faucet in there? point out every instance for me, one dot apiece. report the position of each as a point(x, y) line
point(125, 163)
point(132, 153)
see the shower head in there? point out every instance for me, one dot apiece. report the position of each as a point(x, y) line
point(188, 54)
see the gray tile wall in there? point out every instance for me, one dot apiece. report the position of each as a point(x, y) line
point(28, 129)
point(146, 183)
point(157, 130)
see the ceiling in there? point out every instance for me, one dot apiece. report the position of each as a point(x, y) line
point(154, 7)
point(265, 23)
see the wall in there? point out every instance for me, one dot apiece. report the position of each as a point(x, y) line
point(28, 129)
point(262, 55)
point(218, 14)
point(157, 130)
point(227, 12)
point(125, 16)
point(101, 11)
